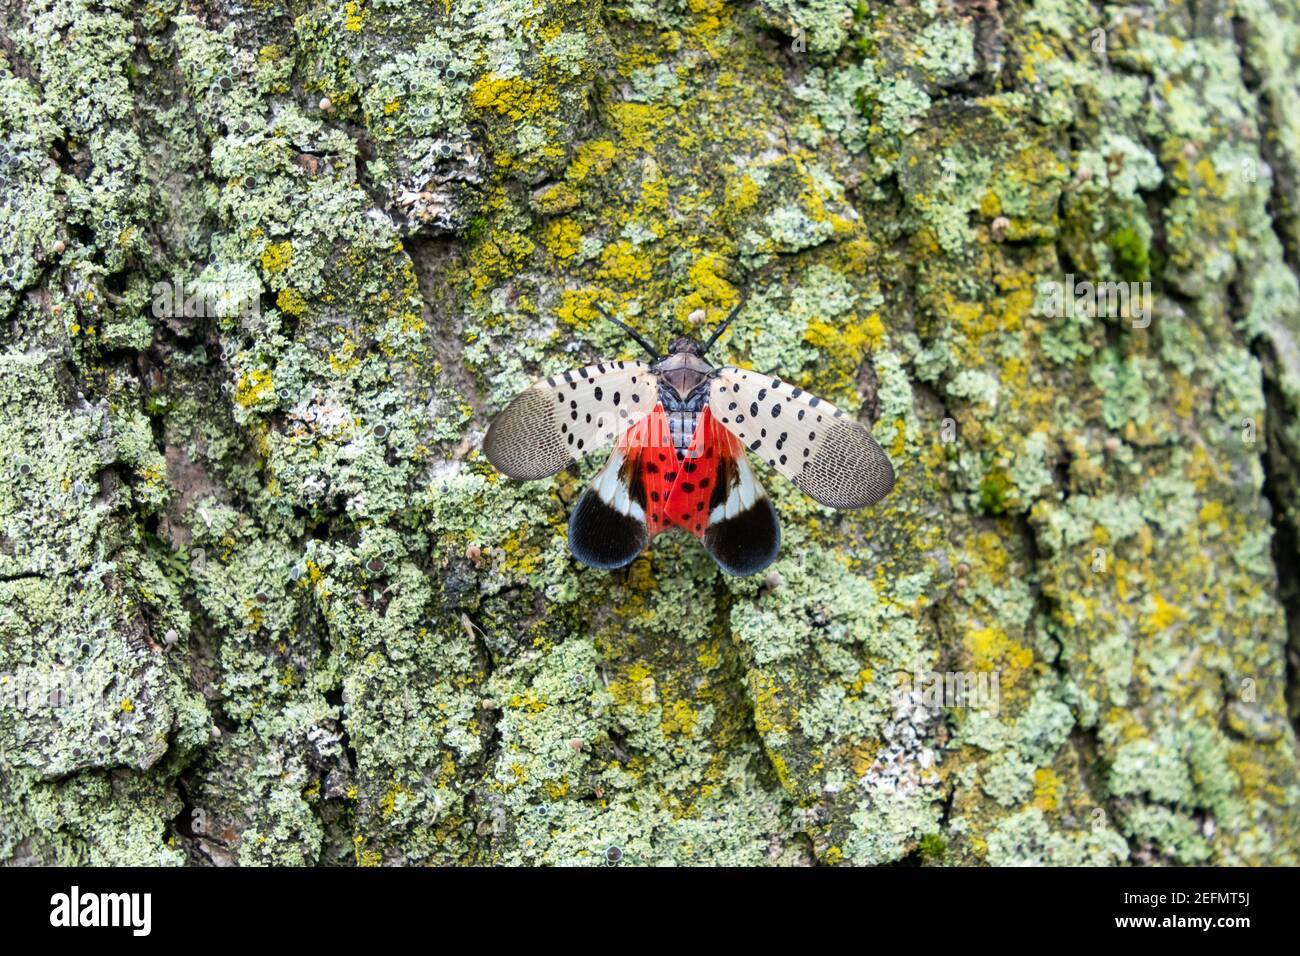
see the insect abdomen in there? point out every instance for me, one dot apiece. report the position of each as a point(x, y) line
point(683, 416)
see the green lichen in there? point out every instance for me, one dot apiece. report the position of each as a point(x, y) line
point(265, 602)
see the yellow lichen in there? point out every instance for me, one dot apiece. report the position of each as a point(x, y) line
point(513, 97)
point(252, 387)
point(562, 237)
point(1047, 789)
point(623, 262)
point(590, 159)
point(277, 257)
point(291, 302)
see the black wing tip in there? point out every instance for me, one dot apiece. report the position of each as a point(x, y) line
point(603, 538)
point(747, 543)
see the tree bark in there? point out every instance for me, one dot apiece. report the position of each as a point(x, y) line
point(269, 269)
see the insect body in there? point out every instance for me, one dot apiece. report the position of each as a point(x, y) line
point(680, 429)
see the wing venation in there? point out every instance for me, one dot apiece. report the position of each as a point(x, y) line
point(828, 455)
point(556, 421)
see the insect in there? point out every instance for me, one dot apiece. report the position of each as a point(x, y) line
point(680, 429)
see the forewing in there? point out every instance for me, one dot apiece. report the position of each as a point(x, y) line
point(557, 421)
point(828, 455)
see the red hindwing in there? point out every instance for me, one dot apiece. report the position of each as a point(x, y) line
point(677, 492)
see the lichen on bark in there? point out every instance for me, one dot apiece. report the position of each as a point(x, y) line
point(262, 599)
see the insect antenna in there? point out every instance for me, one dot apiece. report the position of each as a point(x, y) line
point(632, 332)
point(725, 322)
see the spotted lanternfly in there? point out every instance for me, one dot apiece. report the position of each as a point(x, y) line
point(680, 428)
